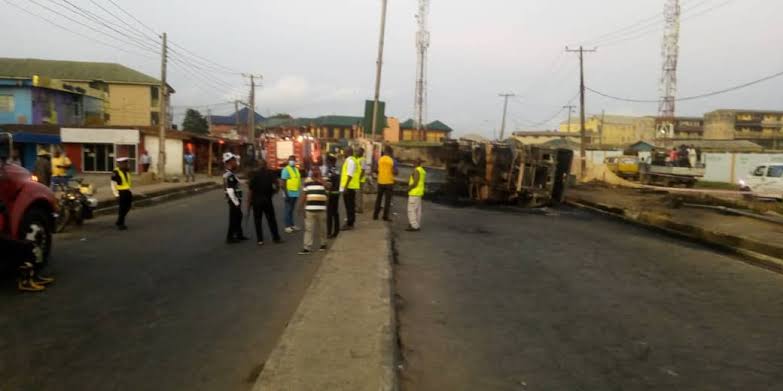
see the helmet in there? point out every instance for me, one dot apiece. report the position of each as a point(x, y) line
point(228, 156)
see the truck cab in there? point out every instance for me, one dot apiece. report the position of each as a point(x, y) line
point(27, 208)
point(765, 180)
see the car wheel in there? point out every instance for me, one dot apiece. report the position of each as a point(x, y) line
point(36, 228)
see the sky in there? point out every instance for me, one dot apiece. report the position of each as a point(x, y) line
point(318, 57)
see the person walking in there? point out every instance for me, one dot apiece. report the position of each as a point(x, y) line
point(292, 184)
point(121, 187)
point(60, 166)
point(349, 184)
point(233, 191)
point(43, 167)
point(361, 163)
point(415, 195)
point(189, 161)
point(263, 186)
point(692, 158)
point(146, 161)
point(332, 175)
point(313, 204)
point(386, 172)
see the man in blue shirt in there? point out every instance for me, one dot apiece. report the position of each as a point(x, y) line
point(292, 183)
point(189, 161)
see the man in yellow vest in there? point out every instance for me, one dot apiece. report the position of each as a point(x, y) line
point(415, 195)
point(121, 187)
point(292, 183)
point(362, 162)
point(350, 178)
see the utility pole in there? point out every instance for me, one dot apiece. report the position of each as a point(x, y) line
point(163, 116)
point(379, 64)
point(505, 110)
point(236, 114)
point(601, 129)
point(570, 110)
point(251, 121)
point(582, 133)
point(209, 131)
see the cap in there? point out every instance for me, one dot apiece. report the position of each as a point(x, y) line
point(122, 159)
point(228, 156)
point(43, 152)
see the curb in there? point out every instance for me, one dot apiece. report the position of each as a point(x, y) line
point(343, 334)
point(750, 251)
point(152, 198)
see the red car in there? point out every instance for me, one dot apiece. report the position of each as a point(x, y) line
point(27, 208)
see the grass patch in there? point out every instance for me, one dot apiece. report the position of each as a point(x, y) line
point(716, 185)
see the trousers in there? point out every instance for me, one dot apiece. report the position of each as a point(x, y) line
point(349, 198)
point(290, 206)
point(314, 221)
point(385, 196)
point(125, 202)
point(189, 175)
point(414, 211)
point(234, 222)
point(263, 207)
point(333, 215)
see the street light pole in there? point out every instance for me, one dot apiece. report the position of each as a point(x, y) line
point(379, 67)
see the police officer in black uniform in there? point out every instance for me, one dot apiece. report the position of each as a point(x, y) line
point(234, 196)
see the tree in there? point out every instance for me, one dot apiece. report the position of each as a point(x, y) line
point(195, 122)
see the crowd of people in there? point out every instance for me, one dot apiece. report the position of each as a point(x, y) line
point(315, 192)
point(684, 156)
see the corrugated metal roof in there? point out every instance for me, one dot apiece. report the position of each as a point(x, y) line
point(72, 70)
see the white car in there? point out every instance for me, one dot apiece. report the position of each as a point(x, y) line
point(765, 181)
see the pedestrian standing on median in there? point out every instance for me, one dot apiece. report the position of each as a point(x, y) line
point(333, 206)
point(189, 161)
point(415, 195)
point(263, 186)
point(292, 184)
point(233, 191)
point(349, 185)
point(146, 160)
point(313, 204)
point(386, 172)
point(361, 160)
point(121, 187)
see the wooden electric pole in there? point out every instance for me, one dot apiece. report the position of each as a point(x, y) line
point(570, 110)
point(505, 110)
point(582, 132)
point(163, 116)
point(378, 69)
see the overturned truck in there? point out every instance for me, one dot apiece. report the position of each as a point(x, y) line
point(507, 172)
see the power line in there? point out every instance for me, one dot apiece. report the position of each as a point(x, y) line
point(134, 18)
point(693, 97)
point(47, 20)
point(123, 21)
point(206, 60)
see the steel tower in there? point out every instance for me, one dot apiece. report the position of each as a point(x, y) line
point(670, 53)
point(422, 45)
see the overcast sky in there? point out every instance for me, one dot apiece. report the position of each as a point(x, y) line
point(318, 56)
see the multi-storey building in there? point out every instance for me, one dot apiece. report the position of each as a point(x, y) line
point(761, 127)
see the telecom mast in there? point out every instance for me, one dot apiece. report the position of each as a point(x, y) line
point(670, 52)
point(422, 44)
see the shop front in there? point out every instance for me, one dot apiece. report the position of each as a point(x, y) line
point(95, 150)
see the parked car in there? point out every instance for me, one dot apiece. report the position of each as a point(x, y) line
point(623, 166)
point(765, 181)
point(27, 208)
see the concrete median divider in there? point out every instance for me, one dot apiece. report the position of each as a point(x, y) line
point(343, 335)
point(142, 197)
point(767, 255)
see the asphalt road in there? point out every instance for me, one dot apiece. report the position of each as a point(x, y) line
point(574, 301)
point(166, 305)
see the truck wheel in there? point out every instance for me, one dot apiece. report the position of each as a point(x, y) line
point(37, 229)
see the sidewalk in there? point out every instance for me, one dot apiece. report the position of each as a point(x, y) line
point(342, 336)
point(760, 240)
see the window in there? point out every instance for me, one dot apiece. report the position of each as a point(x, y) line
point(154, 96)
point(154, 118)
point(759, 171)
point(775, 171)
point(6, 103)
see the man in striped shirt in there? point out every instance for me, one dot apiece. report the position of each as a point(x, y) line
point(313, 203)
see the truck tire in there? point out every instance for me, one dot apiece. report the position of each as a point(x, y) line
point(37, 228)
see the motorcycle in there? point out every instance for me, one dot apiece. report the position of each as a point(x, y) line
point(76, 203)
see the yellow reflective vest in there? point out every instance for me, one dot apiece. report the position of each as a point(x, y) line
point(125, 180)
point(418, 191)
point(355, 183)
point(361, 170)
point(294, 181)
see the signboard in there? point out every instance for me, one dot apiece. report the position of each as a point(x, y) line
point(99, 136)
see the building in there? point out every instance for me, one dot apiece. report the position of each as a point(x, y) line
point(131, 97)
point(391, 133)
point(434, 131)
point(764, 128)
point(614, 130)
point(234, 126)
point(40, 101)
point(685, 128)
point(337, 127)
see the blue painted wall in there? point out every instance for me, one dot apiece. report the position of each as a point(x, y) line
point(23, 104)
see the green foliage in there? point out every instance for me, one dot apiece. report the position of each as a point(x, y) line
point(195, 122)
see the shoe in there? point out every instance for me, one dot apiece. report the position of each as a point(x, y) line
point(346, 228)
point(233, 241)
point(278, 241)
point(28, 285)
point(323, 248)
point(305, 252)
point(295, 228)
point(42, 280)
point(411, 229)
point(288, 230)
point(260, 243)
